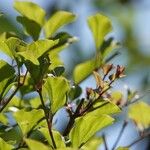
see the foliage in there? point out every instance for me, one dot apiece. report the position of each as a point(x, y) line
point(37, 68)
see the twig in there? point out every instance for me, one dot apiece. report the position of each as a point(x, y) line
point(9, 99)
point(138, 140)
point(89, 105)
point(73, 117)
point(105, 143)
point(120, 134)
point(48, 119)
point(19, 84)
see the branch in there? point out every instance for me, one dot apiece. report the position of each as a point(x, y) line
point(19, 84)
point(105, 143)
point(48, 119)
point(120, 135)
point(138, 140)
point(73, 117)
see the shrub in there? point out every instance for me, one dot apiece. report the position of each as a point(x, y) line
point(33, 86)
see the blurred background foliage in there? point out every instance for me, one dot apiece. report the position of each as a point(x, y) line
point(131, 22)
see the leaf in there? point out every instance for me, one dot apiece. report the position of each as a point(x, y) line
point(87, 126)
point(116, 97)
point(105, 107)
point(32, 144)
point(27, 120)
point(6, 35)
point(75, 92)
point(100, 26)
point(12, 134)
point(7, 74)
point(37, 49)
point(58, 20)
point(57, 136)
point(3, 119)
point(4, 145)
point(12, 45)
point(83, 70)
point(122, 148)
point(57, 88)
point(139, 113)
point(5, 49)
point(29, 25)
point(93, 144)
point(15, 45)
point(99, 81)
point(31, 11)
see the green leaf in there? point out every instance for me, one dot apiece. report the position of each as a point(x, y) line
point(105, 107)
point(58, 20)
point(116, 97)
point(57, 88)
point(83, 70)
point(5, 49)
point(87, 126)
point(12, 45)
point(31, 11)
point(6, 35)
point(15, 45)
point(3, 119)
point(122, 148)
point(57, 136)
point(55, 61)
point(1, 14)
point(93, 144)
point(38, 72)
point(27, 120)
point(7, 74)
point(75, 92)
point(139, 113)
point(13, 134)
point(32, 144)
point(29, 25)
point(100, 26)
point(37, 49)
point(4, 145)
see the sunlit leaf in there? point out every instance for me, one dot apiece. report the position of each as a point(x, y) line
point(3, 119)
point(32, 144)
point(4, 145)
point(100, 26)
point(83, 70)
point(85, 127)
point(5, 49)
point(37, 49)
point(58, 20)
point(57, 88)
point(139, 113)
point(57, 136)
point(6, 76)
point(122, 148)
point(105, 107)
point(116, 97)
point(93, 144)
point(27, 120)
point(31, 10)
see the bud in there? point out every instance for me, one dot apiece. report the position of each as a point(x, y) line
point(120, 71)
point(107, 68)
point(99, 81)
